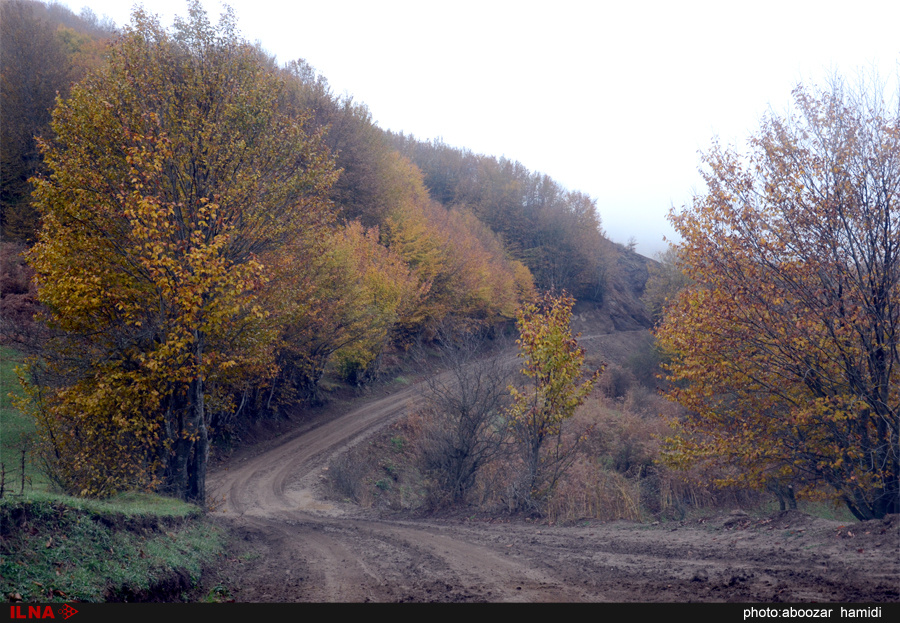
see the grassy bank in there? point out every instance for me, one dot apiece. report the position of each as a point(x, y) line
point(53, 547)
point(16, 432)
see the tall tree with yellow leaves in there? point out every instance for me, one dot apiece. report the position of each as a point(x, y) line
point(178, 169)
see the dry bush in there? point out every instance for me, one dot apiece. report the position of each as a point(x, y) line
point(348, 475)
point(614, 475)
point(615, 381)
point(623, 440)
point(15, 275)
point(640, 400)
point(504, 486)
point(619, 475)
point(461, 426)
point(381, 471)
point(500, 485)
point(589, 490)
point(605, 482)
point(451, 457)
point(18, 296)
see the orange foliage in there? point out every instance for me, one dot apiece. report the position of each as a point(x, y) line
point(458, 256)
point(785, 345)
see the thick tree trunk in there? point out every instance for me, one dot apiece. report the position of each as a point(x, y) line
point(187, 465)
point(176, 481)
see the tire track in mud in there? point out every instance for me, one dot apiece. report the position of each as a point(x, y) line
point(348, 559)
point(307, 549)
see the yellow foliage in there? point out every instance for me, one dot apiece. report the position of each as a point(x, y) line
point(340, 296)
point(556, 387)
point(155, 219)
point(457, 256)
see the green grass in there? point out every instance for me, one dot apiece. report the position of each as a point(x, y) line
point(9, 359)
point(823, 509)
point(826, 510)
point(129, 504)
point(55, 552)
point(16, 430)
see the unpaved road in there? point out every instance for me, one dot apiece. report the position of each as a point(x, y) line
point(291, 546)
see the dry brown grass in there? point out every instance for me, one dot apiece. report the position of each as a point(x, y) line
point(619, 474)
point(616, 474)
point(590, 491)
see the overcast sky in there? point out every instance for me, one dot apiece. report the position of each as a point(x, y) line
point(610, 98)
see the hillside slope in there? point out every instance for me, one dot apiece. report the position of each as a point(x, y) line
point(621, 308)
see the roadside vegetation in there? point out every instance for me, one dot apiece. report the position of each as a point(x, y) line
point(129, 548)
point(615, 471)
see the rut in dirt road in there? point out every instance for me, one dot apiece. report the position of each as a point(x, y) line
point(351, 559)
point(293, 546)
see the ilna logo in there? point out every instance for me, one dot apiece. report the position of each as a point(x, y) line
point(40, 612)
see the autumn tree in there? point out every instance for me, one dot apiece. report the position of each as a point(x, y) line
point(461, 260)
point(179, 171)
point(785, 344)
point(556, 386)
point(341, 295)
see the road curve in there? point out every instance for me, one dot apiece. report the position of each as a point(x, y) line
point(294, 547)
point(271, 496)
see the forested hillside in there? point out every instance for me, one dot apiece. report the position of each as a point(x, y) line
point(554, 231)
point(194, 237)
point(207, 234)
point(43, 50)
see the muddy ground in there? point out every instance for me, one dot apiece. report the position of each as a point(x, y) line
point(291, 544)
point(788, 557)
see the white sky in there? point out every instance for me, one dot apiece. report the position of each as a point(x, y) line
point(610, 98)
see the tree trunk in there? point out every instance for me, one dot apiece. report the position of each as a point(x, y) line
point(196, 490)
point(186, 473)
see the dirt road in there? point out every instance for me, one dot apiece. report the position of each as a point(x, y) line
point(291, 545)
